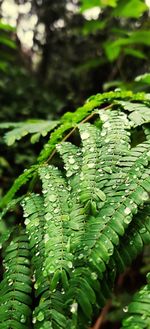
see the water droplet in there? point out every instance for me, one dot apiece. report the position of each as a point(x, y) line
point(74, 307)
point(47, 176)
point(71, 160)
point(148, 277)
point(125, 309)
point(144, 317)
point(127, 220)
point(110, 251)
point(48, 216)
point(40, 316)
point(94, 276)
point(144, 196)
point(56, 210)
point(69, 264)
point(127, 211)
point(92, 149)
point(27, 221)
point(36, 286)
point(46, 238)
point(52, 197)
point(85, 135)
point(103, 133)
point(51, 269)
point(143, 230)
point(23, 319)
point(45, 191)
point(75, 167)
point(91, 165)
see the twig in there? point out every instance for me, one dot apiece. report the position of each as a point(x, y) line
point(102, 316)
point(72, 130)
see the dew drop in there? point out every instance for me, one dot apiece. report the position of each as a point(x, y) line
point(40, 316)
point(71, 160)
point(36, 286)
point(56, 210)
point(103, 133)
point(47, 176)
point(48, 216)
point(148, 277)
point(27, 221)
point(91, 165)
point(143, 230)
point(74, 307)
point(125, 309)
point(144, 196)
point(127, 211)
point(46, 238)
point(23, 319)
point(75, 167)
point(52, 198)
point(85, 135)
point(94, 276)
point(92, 149)
point(69, 264)
point(127, 220)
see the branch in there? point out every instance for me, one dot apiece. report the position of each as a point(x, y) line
point(72, 130)
point(102, 316)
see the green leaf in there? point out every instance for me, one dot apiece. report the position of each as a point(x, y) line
point(144, 78)
point(87, 4)
point(92, 26)
point(36, 127)
point(7, 42)
point(134, 8)
point(135, 53)
point(6, 27)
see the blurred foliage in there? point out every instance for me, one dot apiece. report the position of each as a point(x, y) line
point(79, 48)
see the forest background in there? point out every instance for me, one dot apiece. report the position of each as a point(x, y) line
point(54, 55)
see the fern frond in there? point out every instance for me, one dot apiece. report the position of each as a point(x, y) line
point(132, 243)
point(49, 312)
point(70, 120)
point(91, 219)
point(138, 311)
point(115, 139)
point(36, 127)
point(88, 189)
point(71, 156)
point(139, 113)
point(122, 202)
point(15, 288)
point(57, 240)
point(33, 206)
point(146, 131)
